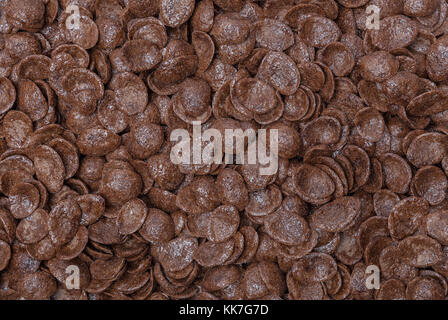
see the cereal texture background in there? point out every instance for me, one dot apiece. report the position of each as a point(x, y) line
point(93, 207)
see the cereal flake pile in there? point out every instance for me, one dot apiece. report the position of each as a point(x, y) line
point(93, 207)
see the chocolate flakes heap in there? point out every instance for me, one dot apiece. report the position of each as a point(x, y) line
point(90, 91)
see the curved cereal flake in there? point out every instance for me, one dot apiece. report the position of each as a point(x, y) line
point(435, 224)
point(312, 133)
point(24, 199)
point(8, 95)
point(223, 223)
point(304, 291)
point(231, 189)
point(76, 246)
point(371, 228)
point(105, 231)
point(264, 202)
point(8, 226)
point(33, 228)
point(314, 267)
point(232, 5)
point(251, 241)
point(158, 226)
point(330, 8)
point(141, 55)
point(31, 100)
point(86, 36)
point(373, 95)
point(68, 153)
point(375, 181)
point(289, 142)
point(374, 249)
point(427, 149)
point(132, 216)
point(296, 105)
point(204, 48)
point(392, 289)
point(97, 141)
point(280, 71)
point(339, 58)
point(427, 103)
point(173, 13)
point(178, 253)
point(424, 288)
point(220, 277)
point(101, 64)
point(301, 249)
point(247, 100)
point(197, 109)
point(312, 184)
point(262, 278)
point(319, 31)
point(210, 254)
point(274, 35)
point(169, 74)
point(334, 284)
point(57, 268)
point(199, 196)
point(92, 208)
point(394, 87)
point(296, 15)
point(203, 16)
point(84, 88)
point(64, 221)
point(328, 242)
point(107, 269)
point(396, 172)
point(360, 162)
point(109, 115)
point(337, 215)
point(131, 95)
point(144, 140)
point(420, 251)
point(435, 60)
point(33, 67)
point(430, 182)
point(234, 53)
point(378, 66)
point(5, 251)
point(384, 201)
point(441, 266)
point(370, 124)
point(237, 249)
point(75, 51)
point(17, 127)
point(49, 168)
point(286, 227)
point(328, 89)
point(312, 76)
point(352, 3)
point(395, 32)
point(37, 286)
